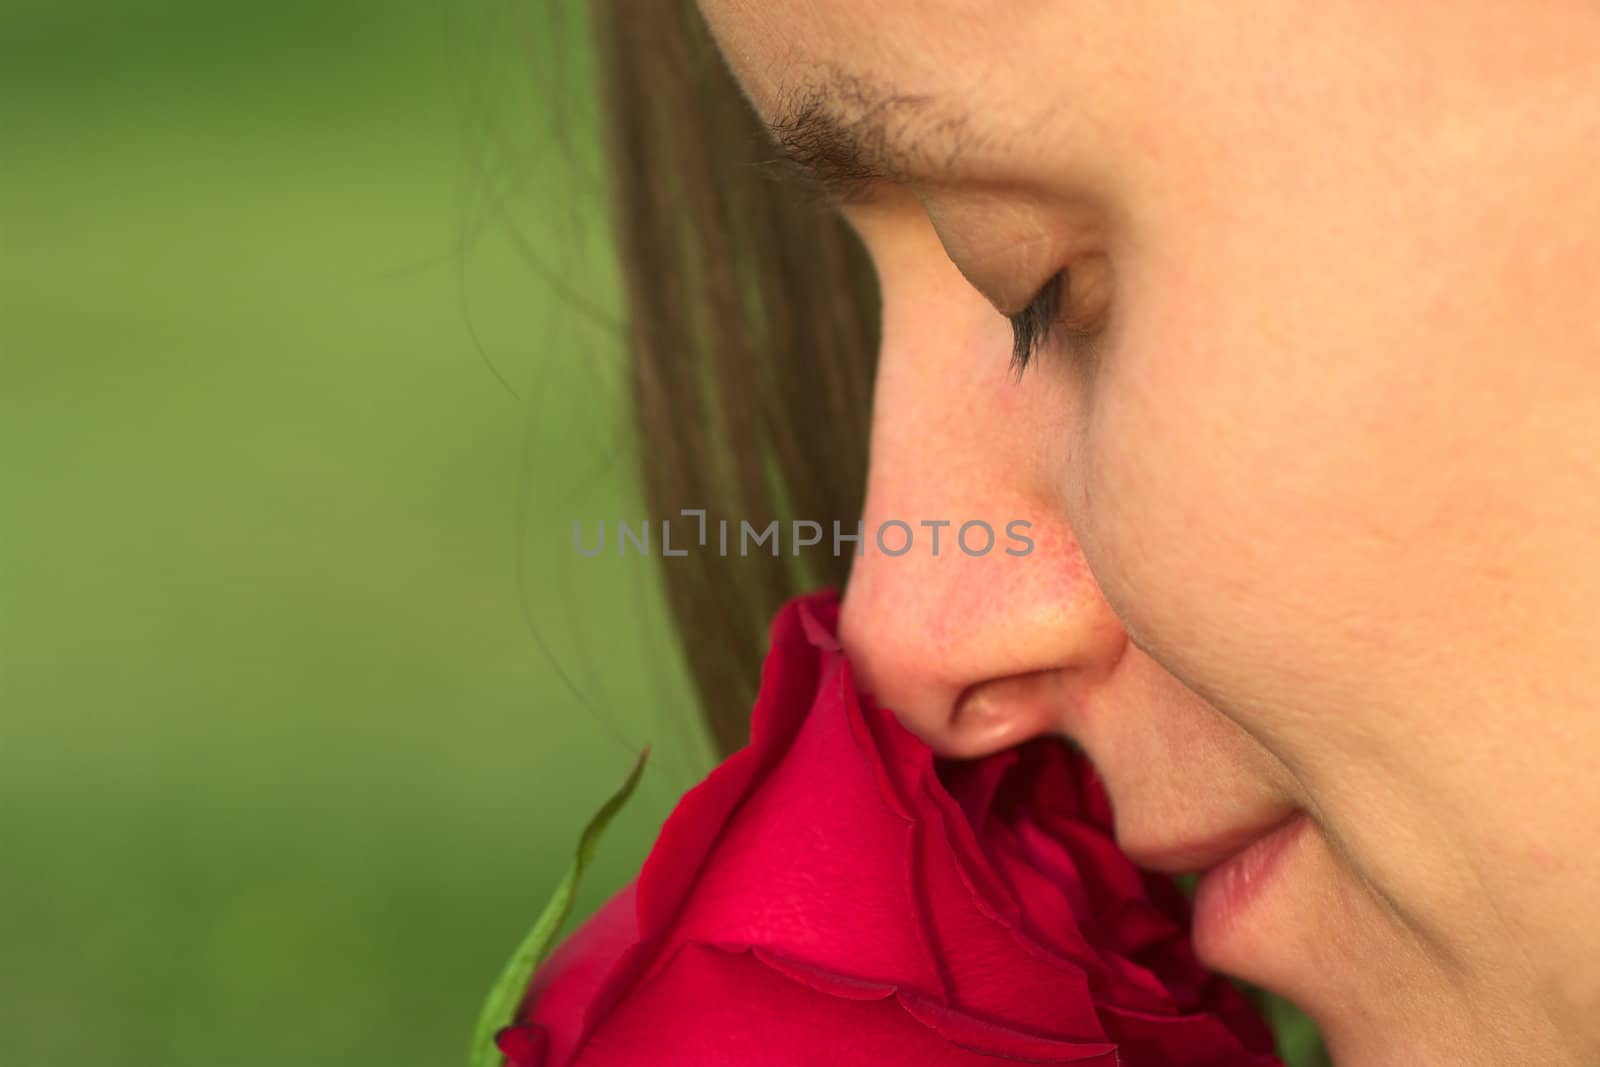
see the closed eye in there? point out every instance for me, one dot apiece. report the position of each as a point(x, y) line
point(1073, 306)
point(1030, 327)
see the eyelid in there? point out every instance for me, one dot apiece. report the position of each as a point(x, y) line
point(1003, 239)
point(1082, 320)
point(1000, 241)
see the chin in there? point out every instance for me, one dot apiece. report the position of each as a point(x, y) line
point(1305, 929)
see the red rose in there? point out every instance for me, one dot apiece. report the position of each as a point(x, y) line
point(833, 893)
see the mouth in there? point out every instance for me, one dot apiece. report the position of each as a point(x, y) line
point(1236, 868)
point(1229, 890)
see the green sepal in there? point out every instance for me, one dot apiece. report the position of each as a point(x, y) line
point(501, 1006)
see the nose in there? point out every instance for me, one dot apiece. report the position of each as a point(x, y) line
point(973, 650)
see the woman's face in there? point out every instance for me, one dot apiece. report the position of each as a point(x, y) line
point(1314, 514)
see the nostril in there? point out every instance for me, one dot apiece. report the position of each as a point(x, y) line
point(1001, 712)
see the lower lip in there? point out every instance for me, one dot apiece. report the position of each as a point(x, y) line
point(1226, 893)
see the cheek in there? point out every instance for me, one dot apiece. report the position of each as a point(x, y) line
point(1272, 457)
point(1297, 487)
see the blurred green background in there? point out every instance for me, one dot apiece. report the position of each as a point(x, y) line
point(303, 694)
point(302, 700)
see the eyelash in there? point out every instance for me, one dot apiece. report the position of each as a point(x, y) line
point(1034, 326)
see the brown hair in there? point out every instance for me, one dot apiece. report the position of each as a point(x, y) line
point(752, 324)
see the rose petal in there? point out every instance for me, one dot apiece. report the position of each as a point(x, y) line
point(818, 863)
point(721, 1006)
point(523, 1045)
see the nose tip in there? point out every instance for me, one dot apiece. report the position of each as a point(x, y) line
point(975, 655)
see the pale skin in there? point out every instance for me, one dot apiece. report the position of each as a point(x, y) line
point(1317, 523)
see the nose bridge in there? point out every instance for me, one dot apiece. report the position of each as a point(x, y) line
point(969, 571)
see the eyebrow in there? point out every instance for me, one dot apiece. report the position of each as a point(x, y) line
point(845, 140)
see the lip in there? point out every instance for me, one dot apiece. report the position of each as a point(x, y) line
point(1209, 853)
point(1227, 890)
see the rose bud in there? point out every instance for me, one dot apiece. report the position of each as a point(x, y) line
point(833, 892)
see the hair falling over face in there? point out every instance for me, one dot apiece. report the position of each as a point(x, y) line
point(752, 321)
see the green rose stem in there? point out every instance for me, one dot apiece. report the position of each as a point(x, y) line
point(506, 996)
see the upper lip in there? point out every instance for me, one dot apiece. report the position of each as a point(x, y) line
point(1198, 854)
